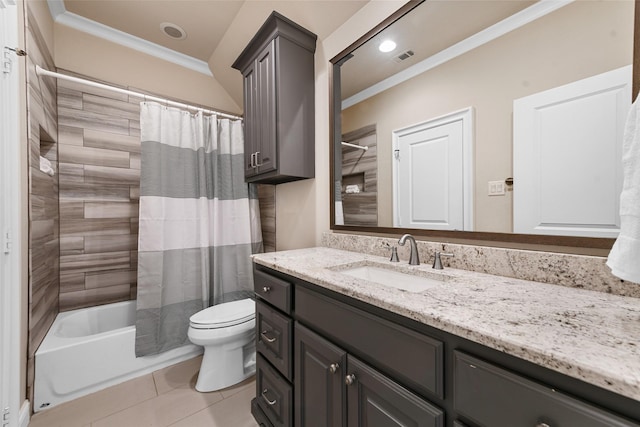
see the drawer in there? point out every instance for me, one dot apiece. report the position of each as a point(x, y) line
point(274, 290)
point(415, 360)
point(493, 397)
point(274, 394)
point(274, 338)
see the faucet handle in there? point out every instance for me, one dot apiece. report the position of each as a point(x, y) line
point(394, 255)
point(437, 261)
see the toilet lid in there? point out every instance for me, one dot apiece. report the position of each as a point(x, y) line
point(226, 314)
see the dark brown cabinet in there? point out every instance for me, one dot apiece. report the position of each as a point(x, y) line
point(327, 360)
point(279, 95)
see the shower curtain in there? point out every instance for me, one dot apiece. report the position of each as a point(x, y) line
point(199, 222)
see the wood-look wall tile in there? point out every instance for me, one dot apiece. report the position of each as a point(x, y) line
point(70, 135)
point(115, 243)
point(134, 259)
point(69, 173)
point(95, 262)
point(91, 120)
point(96, 193)
point(71, 209)
point(134, 161)
point(43, 208)
point(49, 150)
point(92, 297)
point(69, 98)
point(110, 210)
point(71, 281)
point(95, 227)
point(111, 141)
point(93, 156)
point(42, 231)
point(109, 175)
point(71, 245)
point(135, 225)
point(111, 278)
point(80, 87)
point(134, 128)
point(134, 193)
point(111, 107)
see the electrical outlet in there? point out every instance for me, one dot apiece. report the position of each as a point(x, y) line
point(496, 188)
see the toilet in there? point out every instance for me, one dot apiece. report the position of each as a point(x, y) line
point(227, 333)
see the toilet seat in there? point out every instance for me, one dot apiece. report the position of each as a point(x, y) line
point(224, 315)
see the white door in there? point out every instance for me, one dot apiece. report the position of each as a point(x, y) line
point(9, 217)
point(567, 165)
point(432, 174)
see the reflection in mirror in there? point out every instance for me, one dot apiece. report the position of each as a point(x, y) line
point(446, 138)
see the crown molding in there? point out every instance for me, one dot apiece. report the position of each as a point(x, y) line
point(62, 16)
point(530, 14)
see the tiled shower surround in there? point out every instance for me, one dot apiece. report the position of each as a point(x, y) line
point(99, 180)
point(99, 183)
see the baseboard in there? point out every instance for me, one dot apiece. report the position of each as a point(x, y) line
point(25, 414)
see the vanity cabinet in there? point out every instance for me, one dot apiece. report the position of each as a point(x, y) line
point(328, 360)
point(279, 89)
point(481, 388)
point(333, 388)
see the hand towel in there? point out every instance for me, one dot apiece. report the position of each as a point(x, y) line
point(624, 258)
point(45, 166)
point(352, 189)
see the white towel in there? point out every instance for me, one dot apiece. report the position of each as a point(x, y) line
point(352, 189)
point(624, 258)
point(45, 166)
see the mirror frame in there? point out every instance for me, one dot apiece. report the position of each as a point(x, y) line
point(528, 241)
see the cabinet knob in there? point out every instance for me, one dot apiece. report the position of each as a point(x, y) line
point(350, 379)
point(266, 399)
point(266, 289)
point(333, 368)
point(542, 425)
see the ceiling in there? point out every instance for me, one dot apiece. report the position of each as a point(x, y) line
point(217, 30)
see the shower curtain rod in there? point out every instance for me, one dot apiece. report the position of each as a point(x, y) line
point(42, 72)
point(361, 147)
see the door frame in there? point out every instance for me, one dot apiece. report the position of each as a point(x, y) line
point(467, 116)
point(10, 219)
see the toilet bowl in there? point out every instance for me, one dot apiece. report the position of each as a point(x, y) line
point(227, 333)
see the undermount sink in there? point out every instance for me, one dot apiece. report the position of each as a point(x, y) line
point(395, 279)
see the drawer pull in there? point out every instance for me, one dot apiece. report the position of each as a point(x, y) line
point(350, 379)
point(542, 425)
point(266, 399)
point(266, 289)
point(333, 368)
point(267, 338)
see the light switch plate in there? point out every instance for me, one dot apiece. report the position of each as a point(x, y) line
point(496, 188)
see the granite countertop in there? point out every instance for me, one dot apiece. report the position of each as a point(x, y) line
point(592, 336)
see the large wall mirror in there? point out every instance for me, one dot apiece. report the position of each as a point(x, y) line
point(485, 120)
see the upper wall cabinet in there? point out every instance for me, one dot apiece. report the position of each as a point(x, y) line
point(278, 70)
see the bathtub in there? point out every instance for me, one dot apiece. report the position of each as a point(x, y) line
point(90, 349)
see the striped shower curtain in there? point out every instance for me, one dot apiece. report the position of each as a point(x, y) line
point(199, 222)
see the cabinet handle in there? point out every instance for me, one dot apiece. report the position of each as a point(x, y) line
point(350, 379)
point(252, 162)
point(266, 289)
point(542, 425)
point(266, 337)
point(258, 164)
point(266, 399)
point(333, 368)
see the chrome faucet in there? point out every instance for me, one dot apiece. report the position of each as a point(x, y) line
point(413, 257)
point(437, 262)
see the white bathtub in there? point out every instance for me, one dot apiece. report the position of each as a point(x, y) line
point(90, 349)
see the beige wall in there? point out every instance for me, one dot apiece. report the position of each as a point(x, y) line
point(577, 41)
point(302, 213)
point(100, 59)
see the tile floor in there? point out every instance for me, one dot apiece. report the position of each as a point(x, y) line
point(164, 398)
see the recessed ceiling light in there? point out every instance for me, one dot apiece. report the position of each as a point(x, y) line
point(387, 46)
point(172, 30)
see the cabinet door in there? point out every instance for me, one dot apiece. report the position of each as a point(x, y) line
point(265, 110)
point(250, 120)
point(319, 381)
point(373, 400)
